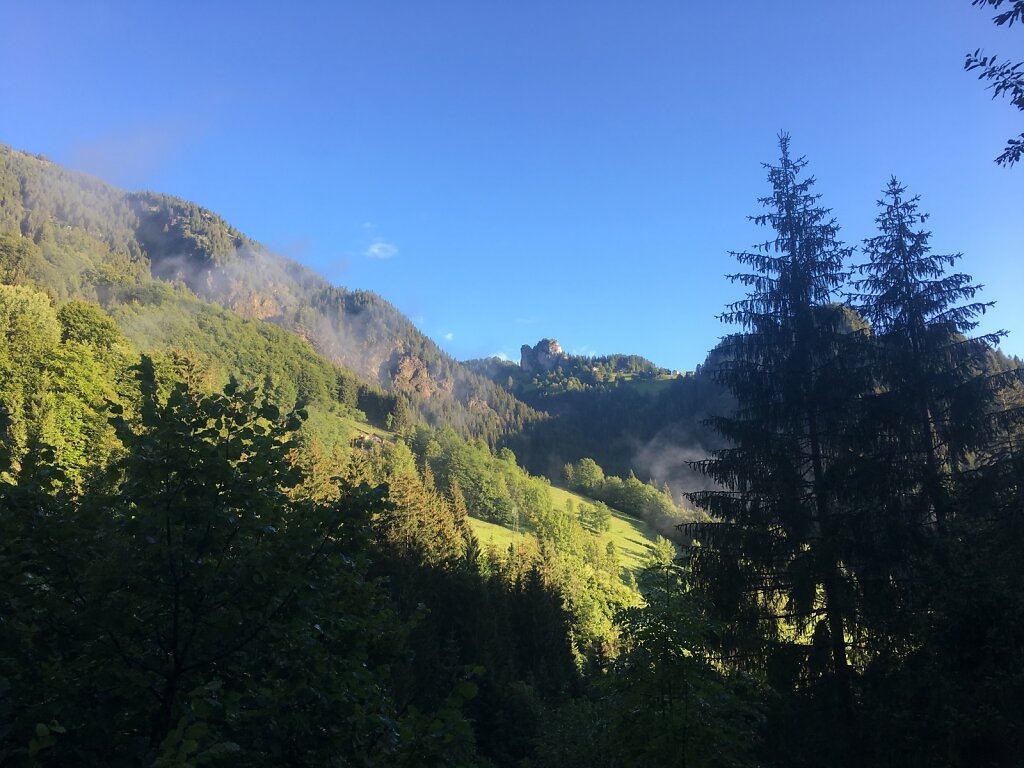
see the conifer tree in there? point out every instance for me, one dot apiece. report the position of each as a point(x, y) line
point(460, 515)
point(944, 422)
point(778, 542)
point(419, 525)
point(933, 379)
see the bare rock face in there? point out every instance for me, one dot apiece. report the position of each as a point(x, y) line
point(411, 375)
point(541, 357)
point(253, 305)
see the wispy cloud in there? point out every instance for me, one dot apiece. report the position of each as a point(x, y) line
point(381, 249)
point(131, 155)
point(294, 248)
point(500, 355)
point(449, 336)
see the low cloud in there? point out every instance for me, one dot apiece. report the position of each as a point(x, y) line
point(295, 248)
point(381, 249)
point(666, 459)
point(131, 155)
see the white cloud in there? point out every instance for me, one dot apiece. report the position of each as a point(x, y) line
point(449, 336)
point(500, 355)
point(381, 249)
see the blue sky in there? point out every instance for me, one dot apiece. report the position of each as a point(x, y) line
point(503, 172)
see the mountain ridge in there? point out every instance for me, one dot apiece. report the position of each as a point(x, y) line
point(75, 236)
point(134, 237)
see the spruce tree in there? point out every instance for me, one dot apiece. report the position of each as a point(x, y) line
point(773, 558)
point(460, 515)
point(933, 378)
point(942, 596)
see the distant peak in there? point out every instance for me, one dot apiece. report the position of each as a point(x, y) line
point(542, 356)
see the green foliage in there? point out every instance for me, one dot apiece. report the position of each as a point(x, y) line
point(157, 317)
point(571, 559)
point(621, 410)
point(17, 254)
point(86, 323)
point(650, 426)
point(597, 518)
point(36, 195)
point(642, 500)
point(54, 386)
point(180, 237)
point(28, 324)
point(203, 567)
point(865, 466)
point(933, 382)
point(566, 373)
point(700, 715)
point(188, 603)
point(663, 702)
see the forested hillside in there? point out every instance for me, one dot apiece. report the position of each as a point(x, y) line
point(353, 546)
point(251, 519)
point(620, 410)
point(151, 436)
point(75, 237)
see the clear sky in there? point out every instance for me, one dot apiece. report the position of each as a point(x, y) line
point(506, 171)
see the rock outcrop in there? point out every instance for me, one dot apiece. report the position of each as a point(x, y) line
point(542, 357)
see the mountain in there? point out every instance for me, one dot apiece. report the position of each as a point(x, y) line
point(229, 527)
point(176, 277)
point(161, 372)
point(74, 236)
point(623, 411)
point(161, 266)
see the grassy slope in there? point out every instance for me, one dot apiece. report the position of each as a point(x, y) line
point(632, 536)
point(490, 533)
point(362, 429)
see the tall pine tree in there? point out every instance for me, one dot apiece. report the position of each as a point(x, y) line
point(942, 595)
point(774, 558)
point(933, 377)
